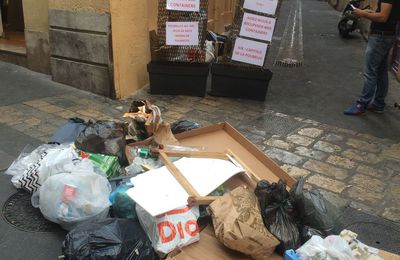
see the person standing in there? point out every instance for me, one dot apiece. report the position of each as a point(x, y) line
point(381, 40)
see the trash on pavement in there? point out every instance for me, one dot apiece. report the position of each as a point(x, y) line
point(307, 232)
point(216, 139)
point(107, 163)
point(183, 126)
point(74, 197)
point(172, 230)
point(145, 119)
point(68, 132)
point(104, 137)
point(314, 210)
point(330, 248)
point(290, 255)
point(31, 170)
point(360, 250)
point(279, 214)
point(111, 239)
point(238, 224)
point(122, 205)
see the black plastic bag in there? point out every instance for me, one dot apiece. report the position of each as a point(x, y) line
point(68, 132)
point(104, 137)
point(110, 239)
point(314, 210)
point(183, 126)
point(278, 214)
point(307, 232)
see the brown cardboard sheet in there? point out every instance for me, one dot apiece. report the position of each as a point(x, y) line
point(220, 137)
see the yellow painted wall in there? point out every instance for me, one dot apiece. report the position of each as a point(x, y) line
point(97, 6)
point(131, 50)
point(153, 12)
point(36, 15)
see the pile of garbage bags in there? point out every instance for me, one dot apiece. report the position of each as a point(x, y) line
point(81, 180)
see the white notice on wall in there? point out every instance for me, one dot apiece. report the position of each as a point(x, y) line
point(184, 5)
point(182, 33)
point(263, 6)
point(250, 52)
point(257, 27)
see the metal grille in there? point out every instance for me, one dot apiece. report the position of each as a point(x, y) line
point(163, 52)
point(18, 211)
point(235, 32)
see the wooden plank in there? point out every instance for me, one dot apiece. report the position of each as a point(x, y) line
point(93, 78)
point(257, 153)
point(196, 154)
point(178, 175)
point(86, 21)
point(233, 157)
point(192, 201)
point(80, 46)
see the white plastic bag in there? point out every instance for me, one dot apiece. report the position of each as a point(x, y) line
point(31, 170)
point(28, 156)
point(330, 248)
point(172, 230)
point(72, 198)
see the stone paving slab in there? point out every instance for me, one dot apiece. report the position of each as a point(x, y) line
point(349, 167)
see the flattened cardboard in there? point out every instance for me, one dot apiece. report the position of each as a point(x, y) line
point(220, 137)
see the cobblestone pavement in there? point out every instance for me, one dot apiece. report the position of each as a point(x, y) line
point(351, 168)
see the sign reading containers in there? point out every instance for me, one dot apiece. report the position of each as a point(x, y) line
point(184, 5)
point(256, 27)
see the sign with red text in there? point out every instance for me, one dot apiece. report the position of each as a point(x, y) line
point(263, 6)
point(250, 52)
point(257, 27)
point(182, 33)
point(184, 5)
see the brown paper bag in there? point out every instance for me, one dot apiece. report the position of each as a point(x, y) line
point(238, 224)
point(163, 135)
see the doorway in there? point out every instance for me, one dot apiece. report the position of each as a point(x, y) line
point(12, 36)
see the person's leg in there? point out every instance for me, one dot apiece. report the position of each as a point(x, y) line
point(382, 85)
point(376, 53)
point(383, 79)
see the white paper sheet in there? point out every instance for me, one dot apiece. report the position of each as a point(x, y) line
point(263, 6)
point(251, 52)
point(206, 175)
point(182, 33)
point(157, 191)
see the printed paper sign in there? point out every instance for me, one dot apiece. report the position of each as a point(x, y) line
point(182, 33)
point(250, 52)
point(184, 5)
point(263, 6)
point(257, 27)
